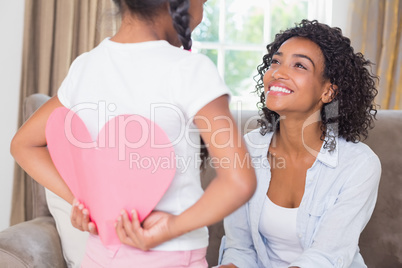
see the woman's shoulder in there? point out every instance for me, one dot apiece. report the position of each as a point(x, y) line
point(256, 141)
point(356, 151)
point(255, 135)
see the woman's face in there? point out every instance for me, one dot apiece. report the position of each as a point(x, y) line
point(196, 11)
point(294, 82)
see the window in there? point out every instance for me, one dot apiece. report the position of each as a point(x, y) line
point(234, 35)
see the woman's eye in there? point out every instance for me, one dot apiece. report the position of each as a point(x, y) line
point(274, 61)
point(301, 66)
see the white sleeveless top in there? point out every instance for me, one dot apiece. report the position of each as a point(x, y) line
point(278, 226)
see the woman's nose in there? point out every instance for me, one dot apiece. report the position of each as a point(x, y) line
point(279, 72)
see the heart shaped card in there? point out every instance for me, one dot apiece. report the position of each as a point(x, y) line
point(129, 166)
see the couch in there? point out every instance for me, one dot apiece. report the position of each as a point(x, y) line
point(35, 243)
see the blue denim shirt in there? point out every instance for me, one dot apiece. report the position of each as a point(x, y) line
point(339, 198)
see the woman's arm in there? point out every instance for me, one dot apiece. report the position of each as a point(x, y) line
point(231, 188)
point(237, 247)
point(28, 148)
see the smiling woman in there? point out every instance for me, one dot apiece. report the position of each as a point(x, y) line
point(317, 103)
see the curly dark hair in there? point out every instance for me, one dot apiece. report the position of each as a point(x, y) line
point(352, 111)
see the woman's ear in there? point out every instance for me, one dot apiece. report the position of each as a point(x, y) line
point(329, 93)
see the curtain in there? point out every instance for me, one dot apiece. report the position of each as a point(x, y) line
point(55, 33)
point(375, 30)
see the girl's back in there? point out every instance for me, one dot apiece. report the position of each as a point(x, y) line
point(160, 82)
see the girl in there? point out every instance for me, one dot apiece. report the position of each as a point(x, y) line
point(317, 184)
point(138, 69)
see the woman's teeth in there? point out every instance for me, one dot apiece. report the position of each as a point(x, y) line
point(280, 89)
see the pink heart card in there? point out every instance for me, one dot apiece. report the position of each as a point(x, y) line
point(129, 166)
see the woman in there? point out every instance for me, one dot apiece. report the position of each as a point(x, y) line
point(316, 183)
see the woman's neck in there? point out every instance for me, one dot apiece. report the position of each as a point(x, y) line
point(299, 137)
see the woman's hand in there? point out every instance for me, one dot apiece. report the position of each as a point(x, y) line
point(80, 218)
point(155, 229)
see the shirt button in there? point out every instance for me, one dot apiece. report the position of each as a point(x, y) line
point(300, 236)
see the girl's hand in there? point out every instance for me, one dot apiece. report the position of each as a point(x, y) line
point(80, 218)
point(155, 229)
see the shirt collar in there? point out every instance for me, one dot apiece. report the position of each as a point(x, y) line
point(329, 158)
point(324, 156)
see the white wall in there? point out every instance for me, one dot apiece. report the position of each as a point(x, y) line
point(11, 29)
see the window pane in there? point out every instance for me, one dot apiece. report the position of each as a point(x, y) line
point(285, 13)
point(244, 22)
point(208, 30)
point(240, 68)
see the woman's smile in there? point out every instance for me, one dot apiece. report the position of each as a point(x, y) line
point(278, 89)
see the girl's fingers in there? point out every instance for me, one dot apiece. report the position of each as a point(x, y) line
point(121, 233)
point(128, 226)
point(138, 231)
point(75, 217)
point(80, 218)
point(135, 222)
point(92, 228)
point(85, 219)
point(130, 231)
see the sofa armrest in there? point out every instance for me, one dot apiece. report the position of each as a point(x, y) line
point(34, 243)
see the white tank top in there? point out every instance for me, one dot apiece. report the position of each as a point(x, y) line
point(278, 225)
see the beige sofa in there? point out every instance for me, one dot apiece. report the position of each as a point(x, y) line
point(35, 243)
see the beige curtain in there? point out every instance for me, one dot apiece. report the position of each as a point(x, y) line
point(375, 30)
point(55, 33)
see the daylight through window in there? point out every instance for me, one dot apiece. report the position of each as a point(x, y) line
point(234, 34)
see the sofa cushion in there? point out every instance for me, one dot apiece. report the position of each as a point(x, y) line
point(73, 241)
point(30, 244)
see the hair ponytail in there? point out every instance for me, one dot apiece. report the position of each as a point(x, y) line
point(181, 21)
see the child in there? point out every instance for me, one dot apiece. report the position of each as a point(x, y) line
point(138, 69)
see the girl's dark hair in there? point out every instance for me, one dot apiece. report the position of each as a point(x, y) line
point(352, 111)
point(147, 9)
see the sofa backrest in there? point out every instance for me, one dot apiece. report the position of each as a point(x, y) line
point(381, 240)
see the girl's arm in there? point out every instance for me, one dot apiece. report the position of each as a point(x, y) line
point(233, 186)
point(28, 148)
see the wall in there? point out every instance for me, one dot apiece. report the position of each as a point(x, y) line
point(11, 29)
